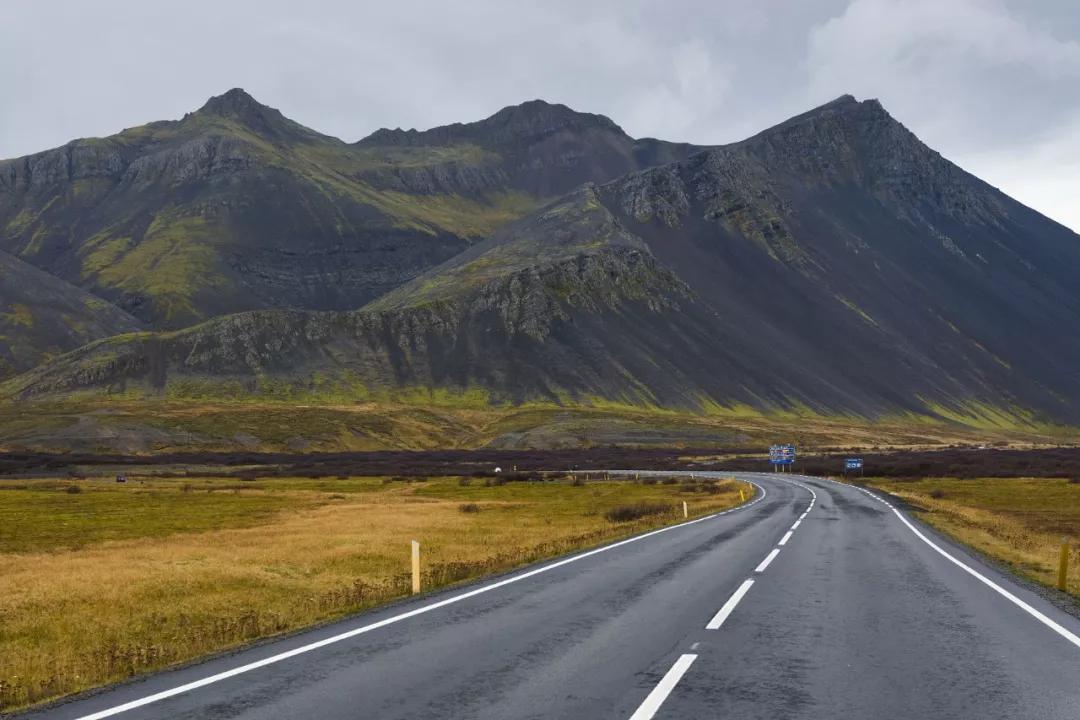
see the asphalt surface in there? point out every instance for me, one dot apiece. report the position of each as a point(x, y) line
point(854, 616)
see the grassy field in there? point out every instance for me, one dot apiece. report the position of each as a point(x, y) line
point(447, 421)
point(1019, 521)
point(103, 581)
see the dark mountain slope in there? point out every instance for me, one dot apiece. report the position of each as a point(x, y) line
point(543, 310)
point(235, 207)
point(42, 316)
point(840, 241)
point(832, 262)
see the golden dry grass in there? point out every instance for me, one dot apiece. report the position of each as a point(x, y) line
point(104, 584)
point(1019, 521)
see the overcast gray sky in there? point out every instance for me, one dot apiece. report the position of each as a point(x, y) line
point(993, 84)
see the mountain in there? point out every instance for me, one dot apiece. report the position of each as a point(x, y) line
point(235, 207)
point(540, 148)
point(42, 316)
point(831, 263)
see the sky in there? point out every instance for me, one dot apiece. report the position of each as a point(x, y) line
point(994, 85)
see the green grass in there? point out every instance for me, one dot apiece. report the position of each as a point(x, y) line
point(40, 516)
point(332, 418)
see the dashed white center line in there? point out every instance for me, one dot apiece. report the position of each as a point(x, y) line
point(768, 559)
point(656, 698)
point(796, 525)
point(783, 540)
point(721, 616)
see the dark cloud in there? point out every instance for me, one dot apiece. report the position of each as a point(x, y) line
point(993, 85)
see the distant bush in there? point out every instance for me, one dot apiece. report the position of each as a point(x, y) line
point(578, 482)
point(670, 481)
point(937, 493)
point(626, 513)
point(648, 480)
point(464, 482)
point(73, 489)
point(469, 508)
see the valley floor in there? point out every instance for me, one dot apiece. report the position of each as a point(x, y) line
point(446, 421)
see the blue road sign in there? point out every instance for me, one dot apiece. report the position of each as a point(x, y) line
point(853, 464)
point(782, 454)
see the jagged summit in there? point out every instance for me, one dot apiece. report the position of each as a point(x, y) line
point(529, 119)
point(237, 105)
point(235, 102)
point(843, 108)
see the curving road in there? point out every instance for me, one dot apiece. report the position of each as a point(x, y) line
point(817, 600)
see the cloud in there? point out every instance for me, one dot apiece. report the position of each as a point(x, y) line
point(990, 84)
point(987, 86)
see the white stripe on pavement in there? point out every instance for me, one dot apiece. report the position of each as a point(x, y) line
point(768, 559)
point(722, 615)
point(656, 698)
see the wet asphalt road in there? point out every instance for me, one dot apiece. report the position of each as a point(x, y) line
point(855, 616)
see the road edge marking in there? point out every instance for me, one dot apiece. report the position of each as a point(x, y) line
point(1059, 629)
point(1035, 613)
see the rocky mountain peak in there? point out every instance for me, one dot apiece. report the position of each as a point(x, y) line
point(538, 117)
point(513, 124)
point(238, 106)
point(236, 103)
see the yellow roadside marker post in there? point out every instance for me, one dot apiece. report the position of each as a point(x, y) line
point(685, 511)
point(1063, 565)
point(415, 567)
point(742, 496)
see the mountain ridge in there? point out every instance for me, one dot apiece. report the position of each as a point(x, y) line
point(832, 262)
point(235, 207)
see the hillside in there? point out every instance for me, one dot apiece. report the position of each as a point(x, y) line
point(42, 316)
point(832, 263)
point(235, 207)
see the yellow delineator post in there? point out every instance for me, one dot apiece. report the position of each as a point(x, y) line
point(742, 496)
point(1063, 565)
point(415, 567)
point(685, 511)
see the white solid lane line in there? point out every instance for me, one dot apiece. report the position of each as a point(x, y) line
point(1063, 632)
point(768, 559)
point(721, 616)
point(225, 675)
point(659, 694)
point(1060, 630)
point(783, 540)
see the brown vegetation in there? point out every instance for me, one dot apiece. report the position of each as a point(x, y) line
point(122, 579)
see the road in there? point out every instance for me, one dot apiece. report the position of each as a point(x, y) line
point(854, 614)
